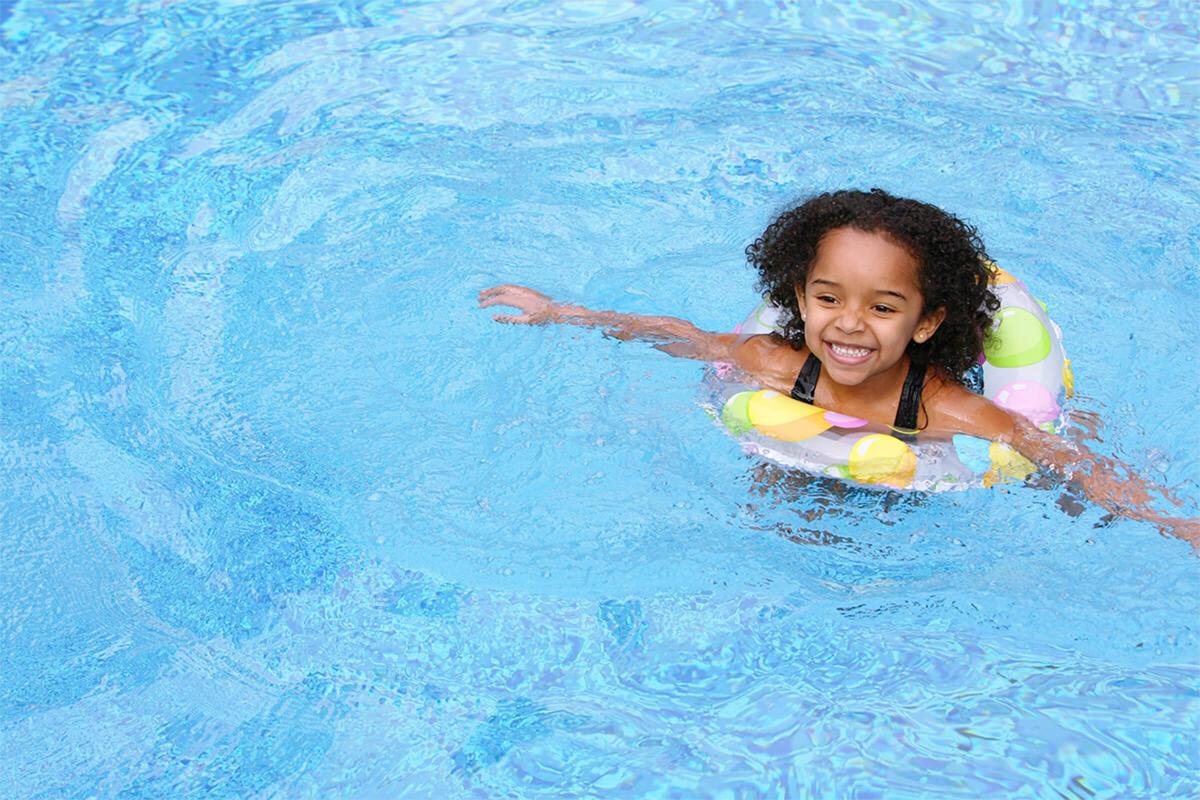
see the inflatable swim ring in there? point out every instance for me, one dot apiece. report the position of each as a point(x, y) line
point(1024, 370)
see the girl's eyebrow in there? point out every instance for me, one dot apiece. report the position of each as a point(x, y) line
point(835, 284)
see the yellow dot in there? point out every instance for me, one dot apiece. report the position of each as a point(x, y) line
point(781, 417)
point(999, 276)
point(1007, 465)
point(879, 458)
point(1068, 378)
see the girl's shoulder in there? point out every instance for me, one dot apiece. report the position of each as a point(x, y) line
point(952, 408)
point(765, 343)
point(767, 350)
point(769, 359)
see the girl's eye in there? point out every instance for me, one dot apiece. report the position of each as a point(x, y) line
point(884, 310)
point(824, 298)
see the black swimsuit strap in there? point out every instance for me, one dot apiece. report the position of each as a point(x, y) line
point(910, 398)
point(907, 410)
point(806, 381)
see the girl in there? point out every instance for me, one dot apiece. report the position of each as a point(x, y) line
point(885, 306)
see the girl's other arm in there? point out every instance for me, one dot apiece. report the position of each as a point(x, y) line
point(678, 337)
point(1106, 482)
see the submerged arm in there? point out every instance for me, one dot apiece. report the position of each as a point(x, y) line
point(1106, 482)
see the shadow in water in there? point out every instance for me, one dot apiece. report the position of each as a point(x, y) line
point(819, 504)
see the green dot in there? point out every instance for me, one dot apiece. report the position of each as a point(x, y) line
point(758, 313)
point(736, 413)
point(1018, 340)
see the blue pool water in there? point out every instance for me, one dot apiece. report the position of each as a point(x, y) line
point(285, 515)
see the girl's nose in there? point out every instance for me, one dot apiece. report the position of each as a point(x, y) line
point(850, 320)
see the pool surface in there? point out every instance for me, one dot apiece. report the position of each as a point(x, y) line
point(283, 514)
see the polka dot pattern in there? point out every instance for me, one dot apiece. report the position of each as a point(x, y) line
point(1031, 400)
point(844, 420)
point(736, 413)
point(1022, 369)
point(1018, 340)
point(882, 459)
point(1000, 277)
point(781, 417)
point(1006, 465)
point(973, 452)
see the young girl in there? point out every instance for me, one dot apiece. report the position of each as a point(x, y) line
point(885, 305)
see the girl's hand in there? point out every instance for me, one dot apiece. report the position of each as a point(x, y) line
point(1186, 529)
point(672, 335)
point(537, 308)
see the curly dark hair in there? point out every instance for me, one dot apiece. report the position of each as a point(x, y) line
point(954, 266)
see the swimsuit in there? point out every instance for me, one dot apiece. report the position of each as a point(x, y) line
point(910, 395)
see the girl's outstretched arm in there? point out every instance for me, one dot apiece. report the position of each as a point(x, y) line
point(672, 335)
point(765, 360)
point(1106, 482)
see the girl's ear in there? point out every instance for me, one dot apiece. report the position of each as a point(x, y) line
point(929, 325)
point(800, 301)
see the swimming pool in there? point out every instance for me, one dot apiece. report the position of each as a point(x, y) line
point(285, 515)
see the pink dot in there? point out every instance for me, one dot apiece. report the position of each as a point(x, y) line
point(1030, 400)
point(843, 420)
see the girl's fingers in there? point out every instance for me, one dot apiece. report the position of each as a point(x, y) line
point(501, 295)
point(498, 300)
point(492, 291)
point(508, 294)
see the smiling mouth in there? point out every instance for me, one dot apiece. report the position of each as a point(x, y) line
point(846, 354)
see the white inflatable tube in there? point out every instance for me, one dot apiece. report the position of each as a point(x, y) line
point(1024, 371)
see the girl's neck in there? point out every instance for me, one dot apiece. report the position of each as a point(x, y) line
point(875, 399)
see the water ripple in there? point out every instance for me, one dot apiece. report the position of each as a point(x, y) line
point(285, 516)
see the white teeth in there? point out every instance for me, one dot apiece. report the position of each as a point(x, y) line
point(849, 352)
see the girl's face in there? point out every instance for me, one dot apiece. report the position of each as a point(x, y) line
point(862, 305)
